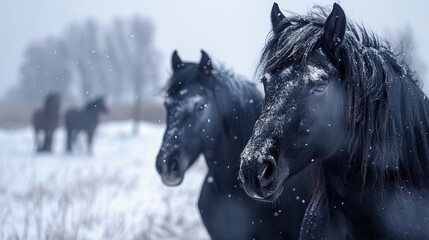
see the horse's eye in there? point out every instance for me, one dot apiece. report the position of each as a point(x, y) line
point(202, 107)
point(319, 88)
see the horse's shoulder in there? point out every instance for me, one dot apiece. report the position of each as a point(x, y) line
point(405, 212)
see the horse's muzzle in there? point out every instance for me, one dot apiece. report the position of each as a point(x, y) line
point(259, 179)
point(169, 170)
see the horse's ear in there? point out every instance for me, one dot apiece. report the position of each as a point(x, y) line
point(276, 16)
point(334, 30)
point(176, 62)
point(205, 63)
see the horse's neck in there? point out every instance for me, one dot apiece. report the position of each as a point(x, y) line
point(341, 184)
point(225, 151)
point(316, 218)
point(223, 160)
point(352, 207)
point(358, 209)
point(223, 156)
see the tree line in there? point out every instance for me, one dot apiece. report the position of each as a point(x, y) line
point(118, 61)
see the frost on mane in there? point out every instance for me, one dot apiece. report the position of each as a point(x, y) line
point(314, 74)
point(286, 72)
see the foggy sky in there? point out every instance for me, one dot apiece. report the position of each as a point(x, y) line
point(232, 31)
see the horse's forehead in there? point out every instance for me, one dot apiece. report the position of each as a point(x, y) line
point(289, 81)
point(318, 67)
point(183, 102)
point(314, 73)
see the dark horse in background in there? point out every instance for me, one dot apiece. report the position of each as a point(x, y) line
point(340, 102)
point(46, 120)
point(84, 120)
point(212, 112)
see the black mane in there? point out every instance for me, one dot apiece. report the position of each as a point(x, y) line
point(52, 102)
point(387, 115)
point(234, 95)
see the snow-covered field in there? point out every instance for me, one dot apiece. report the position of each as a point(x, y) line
point(115, 194)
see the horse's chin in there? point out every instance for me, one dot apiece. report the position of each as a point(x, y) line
point(172, 181)
point(269, 196)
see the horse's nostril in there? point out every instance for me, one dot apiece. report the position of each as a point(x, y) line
point(259, 179)
point(265, 169)
point(174, 166)
point(266, 173)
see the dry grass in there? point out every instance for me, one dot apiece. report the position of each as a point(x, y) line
point(115, 194)
point(85, 209)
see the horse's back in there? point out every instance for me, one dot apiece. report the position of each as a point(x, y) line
point(81, 120)
point(72, 118)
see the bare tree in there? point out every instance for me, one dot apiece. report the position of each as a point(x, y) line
point(44, 70)
point(135, 41)
point(118, 61)
point(85, 46)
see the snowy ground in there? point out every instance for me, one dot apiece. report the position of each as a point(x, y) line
point(116, 194)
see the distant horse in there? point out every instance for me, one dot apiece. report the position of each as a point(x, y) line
point(85, 120)
point(46, 120)
point(339, 101)
point(210, 111)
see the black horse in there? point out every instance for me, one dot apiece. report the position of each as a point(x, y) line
point(339, 101)
point(212, 112)
point(46, 120)
point(83, 120)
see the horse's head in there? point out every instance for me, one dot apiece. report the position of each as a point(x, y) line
point(303, 120)
point(191, 118)
point(98, 105)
